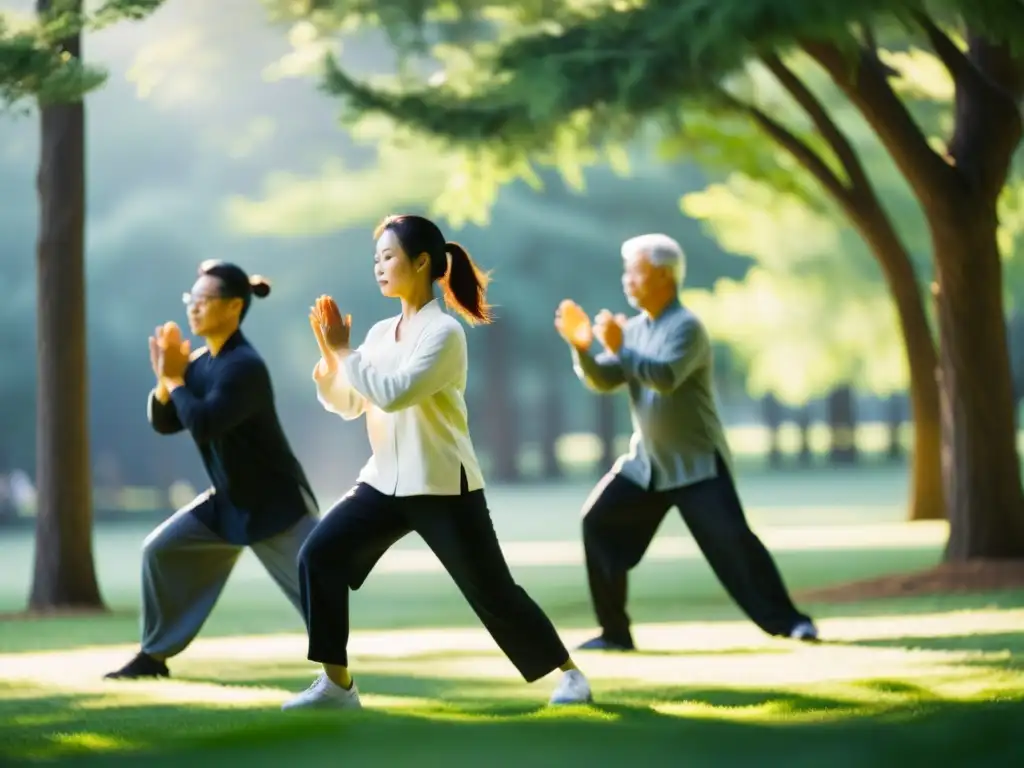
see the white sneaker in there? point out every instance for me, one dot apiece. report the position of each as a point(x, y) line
point(805, 630)
point(573, 688)
point(325, 694)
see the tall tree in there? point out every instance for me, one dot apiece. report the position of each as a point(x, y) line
point(64, 573)
point(753, 135)
point(44, 61)
point(593, 75)
point(812, 315)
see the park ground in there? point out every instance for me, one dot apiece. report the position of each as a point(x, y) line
point(917, 673)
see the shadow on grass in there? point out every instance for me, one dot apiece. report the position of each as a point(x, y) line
point(667, 726)
point(996, 642)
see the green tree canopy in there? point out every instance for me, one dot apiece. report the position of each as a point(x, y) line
point(813, 313)
point(596, 74)
point(34, 66)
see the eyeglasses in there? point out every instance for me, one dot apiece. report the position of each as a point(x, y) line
point(190, 300)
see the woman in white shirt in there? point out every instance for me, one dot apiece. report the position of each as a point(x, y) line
point(408, 379)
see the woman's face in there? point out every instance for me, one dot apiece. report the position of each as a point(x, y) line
point(397, 275)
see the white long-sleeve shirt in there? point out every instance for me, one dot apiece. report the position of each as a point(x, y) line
point(412, 391)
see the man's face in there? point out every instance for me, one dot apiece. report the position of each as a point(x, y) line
point(644, 283)
point(207, 311)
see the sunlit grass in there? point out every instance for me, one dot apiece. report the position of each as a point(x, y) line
point(55, 704)
point(937, 678)
point(823, 528)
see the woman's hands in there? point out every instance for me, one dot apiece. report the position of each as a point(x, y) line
point(332, 332)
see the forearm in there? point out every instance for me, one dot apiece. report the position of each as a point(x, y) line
point(439, 358)
point(336, 394)
point(598, 375)
point(659, 375)
point(234, 396)
point(160, 411)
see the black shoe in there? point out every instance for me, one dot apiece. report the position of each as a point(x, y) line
point(143, 665)
point(601, 643)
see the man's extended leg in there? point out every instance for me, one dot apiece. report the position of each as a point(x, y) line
point(280, 556)
point(713, 513)
point(185, 566)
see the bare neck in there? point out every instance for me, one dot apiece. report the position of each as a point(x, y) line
point(413, 304)
point(215, 341)
point(657, 305)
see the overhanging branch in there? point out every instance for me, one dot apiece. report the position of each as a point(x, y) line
point(956, 62)
point(796, 147)
point(866, 86)
point(824, 123)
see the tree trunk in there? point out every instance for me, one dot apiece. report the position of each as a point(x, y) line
point(927, 499)
point(552, 429)
point(805, 457)
point(64, 574)
point(771, 410)
point(981, 464)
point(865, 84)
point(1015, 337)
point(842, 424)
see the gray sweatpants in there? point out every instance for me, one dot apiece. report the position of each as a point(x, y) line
point(185, 566)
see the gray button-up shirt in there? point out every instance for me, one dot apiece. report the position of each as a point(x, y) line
point(666, 363)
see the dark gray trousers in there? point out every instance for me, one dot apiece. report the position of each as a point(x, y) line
point(185, 566)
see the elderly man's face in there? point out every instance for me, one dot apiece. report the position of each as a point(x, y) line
point(645, 284)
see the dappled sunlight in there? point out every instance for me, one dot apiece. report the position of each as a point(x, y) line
point(134, 693)
point(717, 674)
point(736, 654)
point(542, 712)
point(27, 721)
point(176, 70)
point(780, 539)
point(473, 652)
point(975, 622)
point(93, 742)
point(338, 195)
point(770, 712)
point(412, 703)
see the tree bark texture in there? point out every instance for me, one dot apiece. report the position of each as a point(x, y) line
point(64, 573)
point(981, 463)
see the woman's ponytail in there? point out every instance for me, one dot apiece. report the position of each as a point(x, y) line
point(465, 286)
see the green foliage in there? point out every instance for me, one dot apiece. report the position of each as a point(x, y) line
point(32, 67)
point(599, 74)
point(340, 196)
point(592, 80)
point(617, 64)
point(34, 64)
point(812, 312)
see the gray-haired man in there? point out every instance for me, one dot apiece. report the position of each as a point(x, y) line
point(678, 453)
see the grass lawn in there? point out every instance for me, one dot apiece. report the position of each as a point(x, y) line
point(938, 678)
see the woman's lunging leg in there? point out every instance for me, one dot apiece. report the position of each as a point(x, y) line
point(461, 534)
point(338, 556)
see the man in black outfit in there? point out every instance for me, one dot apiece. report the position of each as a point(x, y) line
point(222, 395)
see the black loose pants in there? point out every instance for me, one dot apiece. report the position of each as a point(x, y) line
point(620, 519)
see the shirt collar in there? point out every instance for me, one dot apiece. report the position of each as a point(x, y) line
point(670, 309)
point(427, 314)
point(234, 340)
